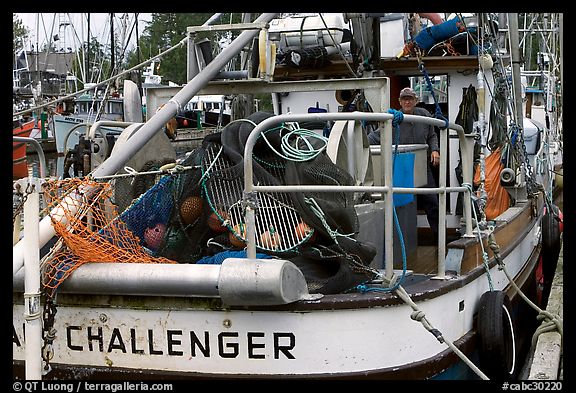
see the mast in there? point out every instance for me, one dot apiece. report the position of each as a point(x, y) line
point(517, 99)
point(515, 59)
point(88, 52)
point(112, 45)
point(138, 72)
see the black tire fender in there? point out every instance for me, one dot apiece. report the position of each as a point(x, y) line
point(551, 241)
point(496, 336)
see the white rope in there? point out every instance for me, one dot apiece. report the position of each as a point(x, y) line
point(294, 153)
point(420, 316)
point(131, 172)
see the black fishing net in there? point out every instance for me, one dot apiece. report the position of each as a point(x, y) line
point(332, 212)
point(188, 233)
point(206, 208)
point(467, 117)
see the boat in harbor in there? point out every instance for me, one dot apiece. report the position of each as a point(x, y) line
point(19, 164)
point(205, 111)
point(286, 246)
point(85, 110)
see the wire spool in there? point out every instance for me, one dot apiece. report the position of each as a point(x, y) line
point(348, 147)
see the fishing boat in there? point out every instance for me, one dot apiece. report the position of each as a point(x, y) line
point(205, 111)
point(85, 110)
point(286, 246)
point(19, 164)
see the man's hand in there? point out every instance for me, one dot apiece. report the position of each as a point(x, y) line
point(435, 158)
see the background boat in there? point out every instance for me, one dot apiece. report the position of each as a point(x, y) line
point(86, 109)
point(22, 128)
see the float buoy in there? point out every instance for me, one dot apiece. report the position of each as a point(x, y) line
point(496, 341)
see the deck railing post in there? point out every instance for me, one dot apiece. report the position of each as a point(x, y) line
point(386, 149)
point(32, 309)
point(442, 205)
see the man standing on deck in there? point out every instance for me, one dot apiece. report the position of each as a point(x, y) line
point(418, 133)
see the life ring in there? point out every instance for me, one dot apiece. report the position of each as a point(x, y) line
point(496, 340)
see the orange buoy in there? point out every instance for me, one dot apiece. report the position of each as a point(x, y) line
point(238, 230)
point(215, 223)
point(301, 230)
point(191, 209)
point(270, 240)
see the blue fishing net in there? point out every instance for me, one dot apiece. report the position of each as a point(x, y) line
point(152, 210)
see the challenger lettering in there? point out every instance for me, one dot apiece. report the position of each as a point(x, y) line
point(176, 342)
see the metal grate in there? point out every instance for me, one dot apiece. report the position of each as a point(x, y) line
point(277, 221)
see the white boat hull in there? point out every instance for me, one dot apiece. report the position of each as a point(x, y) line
point(193, 338)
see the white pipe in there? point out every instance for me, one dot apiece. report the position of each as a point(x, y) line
point(386, 149)
point(32, 309)
point(116, 160)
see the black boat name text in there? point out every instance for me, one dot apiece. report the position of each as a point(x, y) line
point(226, 345)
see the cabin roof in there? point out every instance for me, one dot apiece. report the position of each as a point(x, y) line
point(58, 63)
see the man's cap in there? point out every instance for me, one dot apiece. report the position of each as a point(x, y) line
point(407, 92)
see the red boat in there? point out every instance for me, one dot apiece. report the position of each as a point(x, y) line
point(19, 164)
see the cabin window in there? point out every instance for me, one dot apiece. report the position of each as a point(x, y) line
point(115, 108)
point(439, 84)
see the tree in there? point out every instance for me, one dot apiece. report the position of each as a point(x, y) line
point(20, 34)
point(165, 31)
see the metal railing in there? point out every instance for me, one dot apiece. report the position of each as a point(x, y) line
point(385, 124)
point(39, 150)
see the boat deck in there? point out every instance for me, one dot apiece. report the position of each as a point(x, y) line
point(424, 260)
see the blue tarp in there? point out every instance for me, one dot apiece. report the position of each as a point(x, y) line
point(403, 176)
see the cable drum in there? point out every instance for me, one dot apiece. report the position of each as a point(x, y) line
point(315, 57)
point(357, 160)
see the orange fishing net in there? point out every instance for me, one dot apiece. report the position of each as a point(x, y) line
point(90, 230)
point(498, 198)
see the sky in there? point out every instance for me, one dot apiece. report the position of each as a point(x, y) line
point(72, 27)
